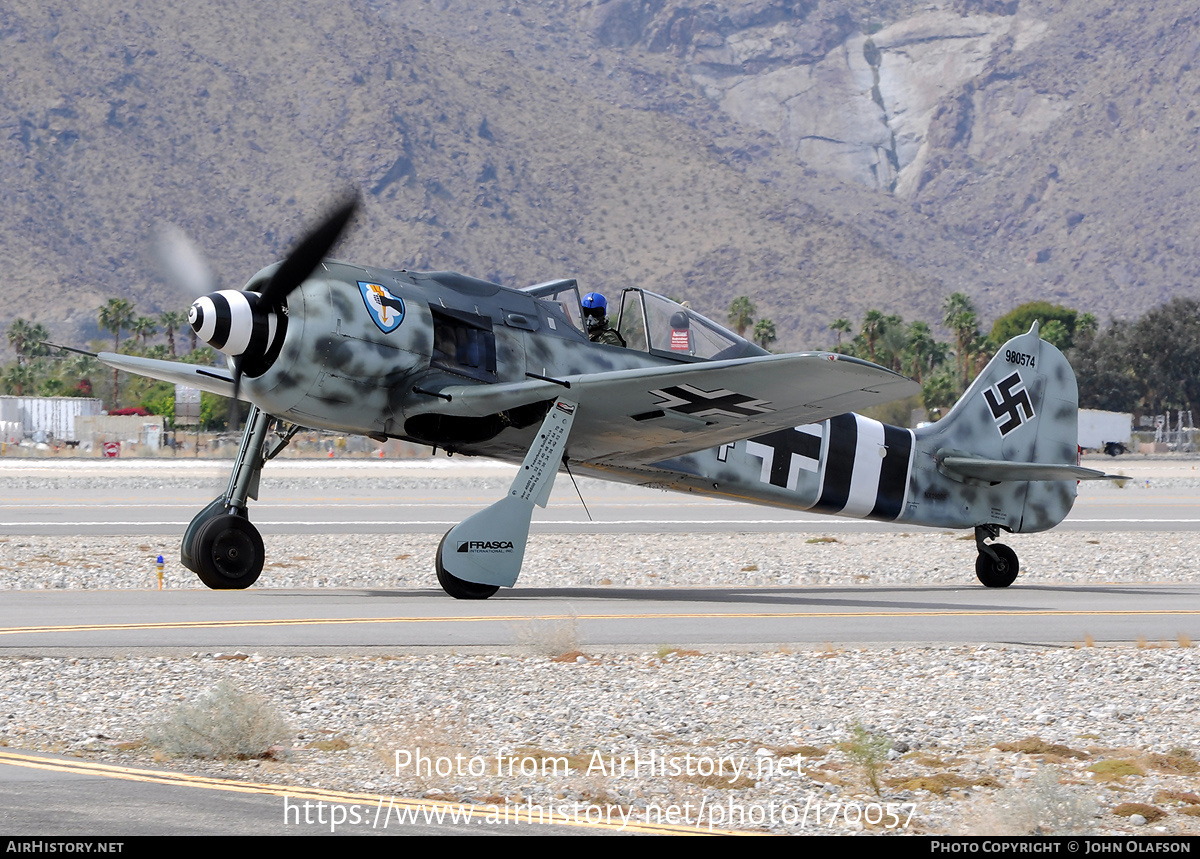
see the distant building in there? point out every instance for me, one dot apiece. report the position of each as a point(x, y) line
point(44, 418)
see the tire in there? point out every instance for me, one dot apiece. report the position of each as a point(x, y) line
point(456, 587)
point(1001, 574)
point(229, 553)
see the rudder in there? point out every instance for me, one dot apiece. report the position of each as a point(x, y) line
point(1023, 408)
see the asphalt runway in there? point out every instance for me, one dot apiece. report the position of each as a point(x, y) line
point(49, 798)
point(290, 621)
point(55, 794)
point(86, 497)
point(394, 497)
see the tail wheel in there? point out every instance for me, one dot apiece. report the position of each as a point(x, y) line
point(456, 587)
point(998, 572)
point(229, 553)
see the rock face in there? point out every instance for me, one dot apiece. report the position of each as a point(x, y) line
point(859, 106)
point(824, 157)
point(1050, 146)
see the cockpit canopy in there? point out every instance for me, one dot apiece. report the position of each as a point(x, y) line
point(654, 323)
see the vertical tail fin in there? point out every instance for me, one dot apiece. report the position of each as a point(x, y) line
point(1010, 441)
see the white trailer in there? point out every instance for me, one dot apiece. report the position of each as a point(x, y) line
point(1097, 428)
point(47, 417)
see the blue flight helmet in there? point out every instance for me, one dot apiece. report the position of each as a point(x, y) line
point(596, 303)
point(595, 309)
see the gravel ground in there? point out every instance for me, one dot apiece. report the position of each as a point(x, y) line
point(977, 740)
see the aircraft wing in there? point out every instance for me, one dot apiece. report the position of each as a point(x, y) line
point(639, 416)
point(215, 380)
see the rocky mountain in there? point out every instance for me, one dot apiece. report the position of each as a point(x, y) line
point(820, 156)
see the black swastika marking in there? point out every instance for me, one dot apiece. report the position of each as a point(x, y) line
point(1007, 405)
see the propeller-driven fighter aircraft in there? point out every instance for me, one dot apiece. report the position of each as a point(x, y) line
point(479, 369)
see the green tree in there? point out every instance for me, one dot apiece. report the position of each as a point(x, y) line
point(19, 379)
point(1103, 364)
point(922, 353)
point(26, 339)
point(839, 327)
point(144, 327)
point(872, 329)
point(960, 317)
point(1018, 321)
point(171, 322)
point(892, 343)
point(159, 399)
point(113, 316)
point(764, 333)
point(939, 390)
point(1164, 353)
point(741, 314)
point(1056, 334)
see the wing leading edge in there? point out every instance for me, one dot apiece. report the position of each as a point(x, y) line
point(215, 380)
point(639, 416)
point(630, 417)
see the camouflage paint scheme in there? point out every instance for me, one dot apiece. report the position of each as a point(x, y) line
point(854, 466)
point(472, 367)
point(363, 383)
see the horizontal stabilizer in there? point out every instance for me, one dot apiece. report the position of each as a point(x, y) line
point(215, 380)
point(999, 471)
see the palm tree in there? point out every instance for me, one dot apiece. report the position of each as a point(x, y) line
point(894, 339)
point(145, 328)
point(919, 351)
point(26, 339)
point(872, 329)
point(839, 327)
point(960, 317)
point(741, 315)
point(764, 333)
point(171, 322)
point(18, 378)
point(114, 316)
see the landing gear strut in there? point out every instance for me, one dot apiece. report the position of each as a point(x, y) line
point(487, 549)
point(997, 565)
point(220, 545)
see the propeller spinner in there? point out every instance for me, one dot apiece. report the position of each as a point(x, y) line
point(234, 322)
point(249, 326)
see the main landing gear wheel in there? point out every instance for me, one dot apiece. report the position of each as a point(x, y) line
point(229, 553)
point(456, 587)
point(998, 572)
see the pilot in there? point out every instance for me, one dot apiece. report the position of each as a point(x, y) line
point(595, 320)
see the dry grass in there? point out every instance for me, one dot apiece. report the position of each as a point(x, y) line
point(1043, 806)
point(1176, 797)
point(1150, 812)
point(1114, 768)
point(940, 783)
point(552, 638)
point(224, 722)
point(1177, 761)
point(1038, 746)
point(333, 744)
